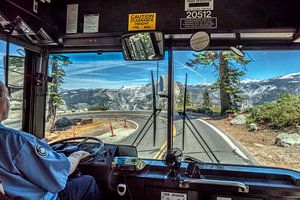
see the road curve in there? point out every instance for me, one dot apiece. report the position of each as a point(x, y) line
point(218, 147)
point(146, 146)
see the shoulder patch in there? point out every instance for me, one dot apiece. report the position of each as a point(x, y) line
point(41, 151)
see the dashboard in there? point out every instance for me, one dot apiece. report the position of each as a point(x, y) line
point(197, 180)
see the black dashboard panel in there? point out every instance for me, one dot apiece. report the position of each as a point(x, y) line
point(106, 155)
point(197, 180)
point(217, 182)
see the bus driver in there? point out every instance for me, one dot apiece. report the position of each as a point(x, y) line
point(30, 169)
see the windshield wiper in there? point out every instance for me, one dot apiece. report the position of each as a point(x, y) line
point(185, 117)
point(187, 158)
point(183, 114)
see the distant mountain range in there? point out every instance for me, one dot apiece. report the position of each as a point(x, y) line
point(256, 92)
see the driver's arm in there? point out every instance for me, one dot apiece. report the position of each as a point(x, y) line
point(75, 158)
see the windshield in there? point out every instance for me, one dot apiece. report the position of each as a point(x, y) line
point(227, 109)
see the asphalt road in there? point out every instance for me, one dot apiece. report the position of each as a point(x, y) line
point(202, 140)
point(143, 137)
point(209, 144)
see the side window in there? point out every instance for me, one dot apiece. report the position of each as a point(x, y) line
point(15, 82)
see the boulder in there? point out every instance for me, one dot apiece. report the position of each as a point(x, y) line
point(76, 121)
point(287, 139)
point(253, 127)
point(63, 122)
point(87, 121)
point(238, 120)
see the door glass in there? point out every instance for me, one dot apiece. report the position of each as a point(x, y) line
point(15, 82)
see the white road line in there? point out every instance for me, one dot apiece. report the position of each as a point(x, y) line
point(137, 126)
point(226, 139)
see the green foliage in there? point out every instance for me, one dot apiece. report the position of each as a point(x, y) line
point(98, 107)
point(180, 103)
point(228, 75)
point(16, 61)
point(207, 110)
point(285, 112)
point(58, 73)
point(206, 99)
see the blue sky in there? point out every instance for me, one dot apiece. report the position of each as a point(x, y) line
point(109, 70)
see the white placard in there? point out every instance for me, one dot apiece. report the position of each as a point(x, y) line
point(173, 196)
point(91, 23)
point(191, 5)
point(72, 17)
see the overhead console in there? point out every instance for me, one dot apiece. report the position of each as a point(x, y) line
point(98, 25)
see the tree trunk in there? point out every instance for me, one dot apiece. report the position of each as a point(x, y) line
point(224, 82)
point(51, 117)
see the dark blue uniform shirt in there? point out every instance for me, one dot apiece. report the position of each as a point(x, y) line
point(29, 168)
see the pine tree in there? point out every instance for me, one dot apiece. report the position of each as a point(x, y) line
point(228, 75)
point(206, 100)
point(180, 101)
point(55, 100)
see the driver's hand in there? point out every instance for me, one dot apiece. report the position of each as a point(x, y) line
point(83, 154)
point(75, 158)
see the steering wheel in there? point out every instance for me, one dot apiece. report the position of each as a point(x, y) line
point(70, 149)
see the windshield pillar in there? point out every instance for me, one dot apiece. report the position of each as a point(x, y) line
point(170, 96)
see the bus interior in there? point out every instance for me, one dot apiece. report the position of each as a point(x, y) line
point(155, 91)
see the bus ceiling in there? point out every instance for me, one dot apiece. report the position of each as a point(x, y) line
point(89, 25)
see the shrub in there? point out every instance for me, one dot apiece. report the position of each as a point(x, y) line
point(98, 107)
point(285, 112)
point(206, 110)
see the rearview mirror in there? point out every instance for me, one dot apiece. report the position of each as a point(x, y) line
point(143, 46)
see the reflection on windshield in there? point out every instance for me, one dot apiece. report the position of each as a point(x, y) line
point(238, 110)
point(140, 46)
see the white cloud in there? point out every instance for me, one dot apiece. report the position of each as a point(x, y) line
point(92, 83)
point(192, 70)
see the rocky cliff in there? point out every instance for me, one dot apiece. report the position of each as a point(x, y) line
point(256, 92)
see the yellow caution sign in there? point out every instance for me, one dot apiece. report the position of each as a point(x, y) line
point(142, 22)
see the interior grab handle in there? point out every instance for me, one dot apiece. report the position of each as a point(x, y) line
point(121, 189)
point(242, 187)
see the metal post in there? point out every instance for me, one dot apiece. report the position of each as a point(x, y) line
point(157, 71)
point(184, 111)
point(6, 69)
point(170, 97)
point(154, 108)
